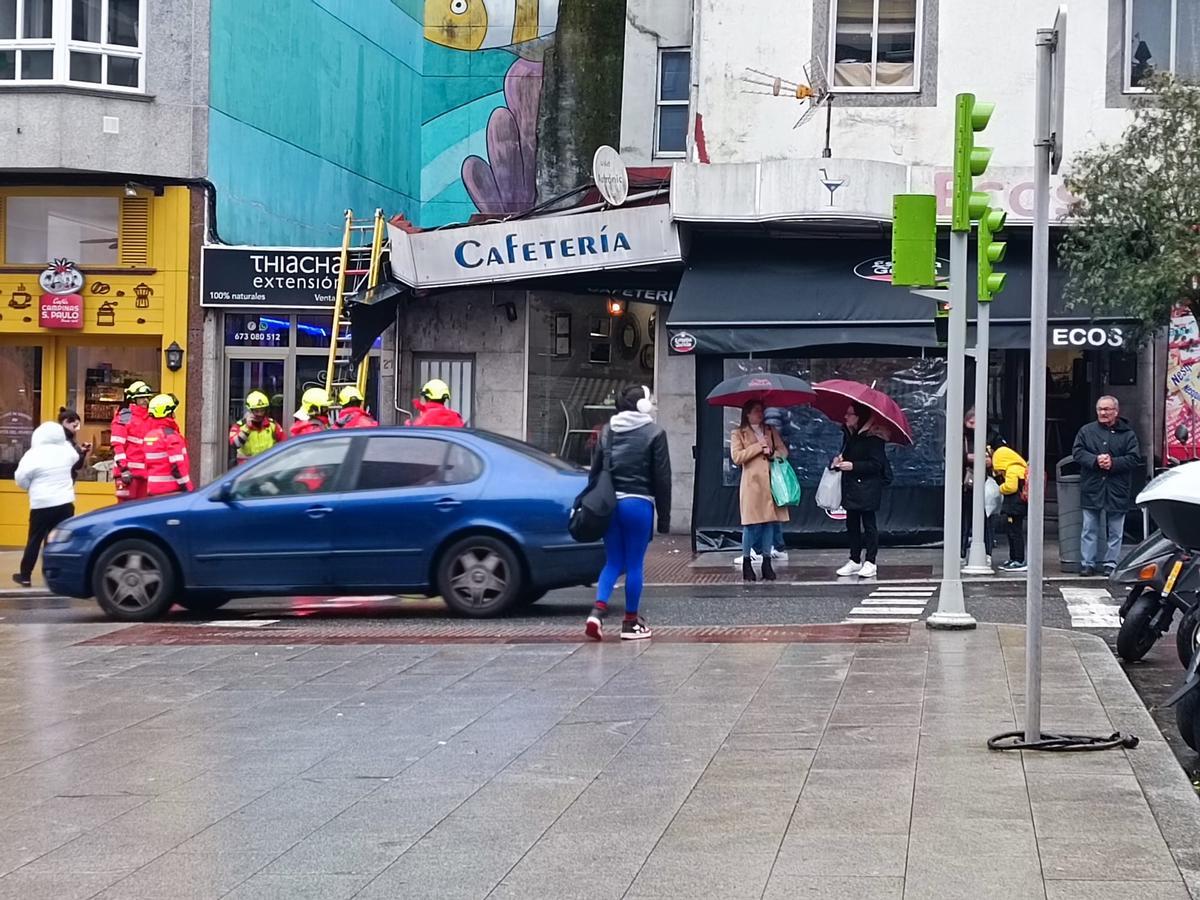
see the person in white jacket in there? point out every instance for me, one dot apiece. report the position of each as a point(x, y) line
point(46, 472)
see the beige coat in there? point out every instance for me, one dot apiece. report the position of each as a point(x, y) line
point(758, 505)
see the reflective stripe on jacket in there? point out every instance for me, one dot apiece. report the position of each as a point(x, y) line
point(250, 440)
point(167, 466)
point(135, 436)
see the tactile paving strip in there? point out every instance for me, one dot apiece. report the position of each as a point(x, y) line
point(491, 632)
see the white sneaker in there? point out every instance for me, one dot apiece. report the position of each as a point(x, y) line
point(868, 570)
point(850, 568)
point(754, 558)
point(776, 553)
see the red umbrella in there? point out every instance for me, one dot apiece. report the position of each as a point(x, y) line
point(835, 395)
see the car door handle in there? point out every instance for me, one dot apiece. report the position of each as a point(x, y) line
point(316, 512)
point(447, 503)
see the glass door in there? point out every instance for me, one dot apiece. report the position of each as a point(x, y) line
point(20, 402)
point(245, 374)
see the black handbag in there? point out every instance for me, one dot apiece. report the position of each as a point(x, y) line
point(594, 508)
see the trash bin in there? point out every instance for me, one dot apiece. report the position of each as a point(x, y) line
point(1070, 513)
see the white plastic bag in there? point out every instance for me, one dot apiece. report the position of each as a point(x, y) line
point(829, 491)
point(991, 497)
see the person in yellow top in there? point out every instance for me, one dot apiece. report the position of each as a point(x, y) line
point(1010, 471)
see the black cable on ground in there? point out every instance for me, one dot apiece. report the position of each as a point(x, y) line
point(1066, 743)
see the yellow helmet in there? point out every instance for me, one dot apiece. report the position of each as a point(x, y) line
point(138, 389)
point(436, 391)
point(257, 400)
point(350, 395)
point(163, 405)
point(314, 400)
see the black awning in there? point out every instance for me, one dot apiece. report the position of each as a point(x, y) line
point(762, 295)
point(370, 315)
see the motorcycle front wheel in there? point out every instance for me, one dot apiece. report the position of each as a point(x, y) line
point(1187, 719)
point(1136, 637)
point(1185, 636)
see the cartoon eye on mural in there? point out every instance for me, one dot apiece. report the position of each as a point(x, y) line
point(504, 182)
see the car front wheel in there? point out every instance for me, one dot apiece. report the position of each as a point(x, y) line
point(479, 576)
point(134, 581)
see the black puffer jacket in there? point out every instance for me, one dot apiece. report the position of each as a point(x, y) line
point(1107, 489)
point(641, 462)
point(862, 486)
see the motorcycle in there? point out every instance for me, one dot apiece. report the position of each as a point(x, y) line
point(1162, 578)
point(1186, 700)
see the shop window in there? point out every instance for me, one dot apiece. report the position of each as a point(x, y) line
point(671, 115)
point(84, 43)
point(1161, 37)
point(313, 330)
point(20, 403)
point(311, 469)
point(407, 462)
point(39, 229)
point(249, 330)
point(96, 380)
point(874, 45)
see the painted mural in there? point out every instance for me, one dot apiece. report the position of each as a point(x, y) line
point(479, 139)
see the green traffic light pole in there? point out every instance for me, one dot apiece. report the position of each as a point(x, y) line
point(969, 117)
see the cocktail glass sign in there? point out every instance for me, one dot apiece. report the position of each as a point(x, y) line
point(61, 306)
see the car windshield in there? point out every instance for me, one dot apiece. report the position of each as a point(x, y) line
point(529, 450)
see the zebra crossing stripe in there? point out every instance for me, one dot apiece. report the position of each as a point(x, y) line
point(885, 610)
point(906, 588)
point(897, 601)
point(1091, 607)
point(240, 623)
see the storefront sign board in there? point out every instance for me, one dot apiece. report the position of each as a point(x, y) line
point(60, 311)
point(533, 248)
point(262, 278)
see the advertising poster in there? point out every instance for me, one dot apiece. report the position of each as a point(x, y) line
point(1183, 385)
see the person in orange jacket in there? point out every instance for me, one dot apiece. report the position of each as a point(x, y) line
point(128, 431)
point(433, 408)
point(352, 414)
point(168, 469)
point(313, 414)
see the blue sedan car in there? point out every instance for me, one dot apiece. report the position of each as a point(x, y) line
point(479, 519)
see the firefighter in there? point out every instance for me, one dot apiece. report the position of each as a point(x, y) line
point(168, 470)
point(129, 467)
point(433, 408)
point(313, 414)
point(352, 414)
point(255, 432)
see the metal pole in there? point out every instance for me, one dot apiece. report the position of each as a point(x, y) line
point(952, 611)
point(977, 561)
point(1037, 386)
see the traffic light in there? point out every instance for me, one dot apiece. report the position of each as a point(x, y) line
point(941, 323)
point(990, 252)
point(914, 240)
point(970, 116)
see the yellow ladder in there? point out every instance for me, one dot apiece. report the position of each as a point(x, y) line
point(361, 269)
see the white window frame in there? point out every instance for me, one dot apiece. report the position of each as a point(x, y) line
point(1127, 84)
point(659, 103)
point(830, 72)
point(62, 45)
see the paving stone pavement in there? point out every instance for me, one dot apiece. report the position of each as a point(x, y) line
point(591, 771)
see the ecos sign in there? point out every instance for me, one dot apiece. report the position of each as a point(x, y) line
point(1087, 337)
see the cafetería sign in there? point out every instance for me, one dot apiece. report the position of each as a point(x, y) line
point(533, 248)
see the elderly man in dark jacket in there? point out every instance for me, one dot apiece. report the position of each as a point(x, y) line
point(1108, 454)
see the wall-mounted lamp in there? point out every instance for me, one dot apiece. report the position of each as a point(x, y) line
point(616, 307)
point(137, 189)
point(174, 356)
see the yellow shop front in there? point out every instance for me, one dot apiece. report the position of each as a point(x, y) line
point(93, 294)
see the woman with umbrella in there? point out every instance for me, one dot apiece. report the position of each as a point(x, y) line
point(871, 420)
point(752, 447)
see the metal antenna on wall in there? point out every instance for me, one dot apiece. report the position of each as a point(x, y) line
point(814, 92)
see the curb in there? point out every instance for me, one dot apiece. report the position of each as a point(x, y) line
point(1172, 798)
point(26, 594)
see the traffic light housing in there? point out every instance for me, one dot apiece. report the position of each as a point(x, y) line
point(914, 240)
point(970, 116)
point(990, 253)
point(941, 323)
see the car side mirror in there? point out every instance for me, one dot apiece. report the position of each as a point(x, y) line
point(1181, 433)
point(224, 493)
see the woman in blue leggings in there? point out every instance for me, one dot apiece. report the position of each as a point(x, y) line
point(634, 449)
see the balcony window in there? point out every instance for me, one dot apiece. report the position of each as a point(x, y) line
point(83, 43)
point(874, 45)
point(671, 113)
point(1161, 37)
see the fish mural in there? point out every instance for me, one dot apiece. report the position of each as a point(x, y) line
point(505, 182)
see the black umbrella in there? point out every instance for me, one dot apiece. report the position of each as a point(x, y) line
point(768, 387)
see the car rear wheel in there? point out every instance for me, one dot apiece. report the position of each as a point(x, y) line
point(134, 581)
point(479, 576)
point(196, 602)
